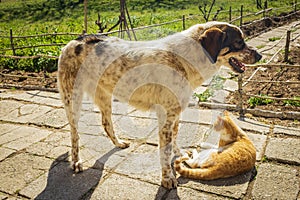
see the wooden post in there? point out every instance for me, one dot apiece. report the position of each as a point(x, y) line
point(12, 42)
point(240, 92)
point(241, 19)
point(287, 46)
point(295, 6)
point(230, 14)
point(85, 16)
point(183, 22)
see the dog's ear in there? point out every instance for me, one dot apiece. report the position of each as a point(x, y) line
point(212, 41)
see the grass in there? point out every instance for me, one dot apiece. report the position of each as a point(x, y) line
point(32, 17)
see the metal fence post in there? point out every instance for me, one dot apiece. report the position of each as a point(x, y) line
point(12, 42)
point(241, 19)
point(183, 22)
point(240, 93)
point(287, 46)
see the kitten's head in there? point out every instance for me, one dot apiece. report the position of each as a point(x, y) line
point(226, 127)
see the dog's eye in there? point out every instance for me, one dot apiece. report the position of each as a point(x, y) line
point(239, 44)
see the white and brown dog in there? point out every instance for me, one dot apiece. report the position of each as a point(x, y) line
point(159, 75)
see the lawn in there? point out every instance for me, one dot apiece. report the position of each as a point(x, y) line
point(30, 17)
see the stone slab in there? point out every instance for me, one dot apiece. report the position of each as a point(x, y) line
point(259, 142)
point(5, 127)
point(26, 113)
point(275, 182)
point(199, 116)
point(55, 118)
point(219, 96)
point(100, 152)
point(230, 85)
point(21, 170)
point(251, 125)
point(113, 188)
point(7, 106)
point(134, 127)
point(284, 149)
point(24, 137)
point(61, 183)
point(35, 96)
point(189, 134)
point(143, 164)
point(5, 152)
point(286, 130)
point(235, 187)
point(59, 138)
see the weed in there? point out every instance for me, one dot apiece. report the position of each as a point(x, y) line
point(273, 39)
point(203, 97)
point(257, 101)
point(295, 102)
point(264, 159)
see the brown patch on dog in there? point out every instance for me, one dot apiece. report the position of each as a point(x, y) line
point(212, 42)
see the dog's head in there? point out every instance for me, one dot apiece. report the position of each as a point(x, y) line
point(226, 46)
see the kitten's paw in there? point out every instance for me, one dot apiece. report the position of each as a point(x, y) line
point(122, 144)
point(169, 183)
point(77, 166)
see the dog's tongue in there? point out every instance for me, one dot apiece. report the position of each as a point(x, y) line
point(237, 65)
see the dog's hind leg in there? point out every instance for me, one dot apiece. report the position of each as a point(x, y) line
point(72, 99)
point(103, 101)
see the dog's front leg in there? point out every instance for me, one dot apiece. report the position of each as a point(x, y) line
point(166, 127)
point(166, 147)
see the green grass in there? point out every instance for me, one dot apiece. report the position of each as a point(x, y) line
point(32, 17)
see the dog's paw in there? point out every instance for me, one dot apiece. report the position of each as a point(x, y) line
point(77, 166)
point(169, 183)
point(122, 144)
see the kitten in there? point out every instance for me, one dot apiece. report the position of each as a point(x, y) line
point(235, 154)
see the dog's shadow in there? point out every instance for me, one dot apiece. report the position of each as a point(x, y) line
point(63, 183)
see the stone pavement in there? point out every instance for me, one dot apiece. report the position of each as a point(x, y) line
point(35, 146)
point(35, 149)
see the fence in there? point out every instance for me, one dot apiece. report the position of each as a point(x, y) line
point(241, 83)
point(241, 18)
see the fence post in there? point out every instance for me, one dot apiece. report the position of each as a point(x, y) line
point(287, 46)
point(183, 22)
point(230, 14)
point(295, 6)
point(241, 19)
point(240, 93)
point(85, 16)
point(11, 41)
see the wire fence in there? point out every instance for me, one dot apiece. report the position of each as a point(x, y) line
point(240, 20)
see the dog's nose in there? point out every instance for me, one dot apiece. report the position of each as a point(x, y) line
point(257, 57)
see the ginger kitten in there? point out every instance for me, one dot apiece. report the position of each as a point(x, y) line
point(235, 154)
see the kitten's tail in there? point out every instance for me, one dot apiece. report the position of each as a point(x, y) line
point(192, 173)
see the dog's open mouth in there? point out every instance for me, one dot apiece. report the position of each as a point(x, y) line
point(237, 65)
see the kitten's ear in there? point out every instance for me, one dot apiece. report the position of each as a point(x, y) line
point(226, 113)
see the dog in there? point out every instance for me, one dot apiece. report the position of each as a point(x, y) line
point(157, 75)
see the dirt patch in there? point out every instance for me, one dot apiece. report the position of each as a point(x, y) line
point(28, 80)
point(290, 93)
point(252, 29)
